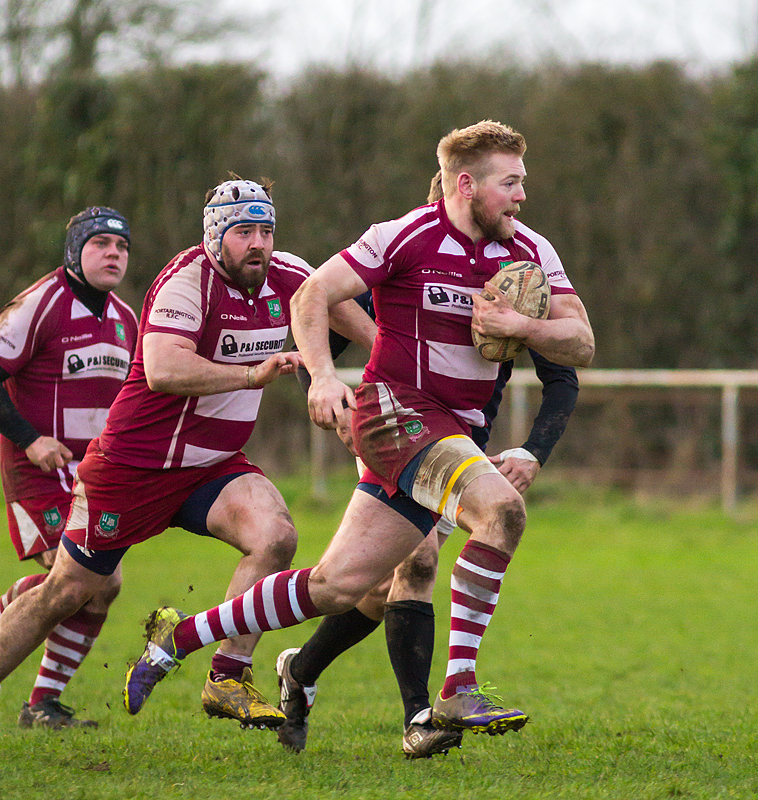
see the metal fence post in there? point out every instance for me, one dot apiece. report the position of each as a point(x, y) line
point(729, 449)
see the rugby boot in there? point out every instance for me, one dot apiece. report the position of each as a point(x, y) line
point(49, 712)
point(158, 659)
point(295, 700)
point(422, 740)
point(240, 700)
point(477, 712)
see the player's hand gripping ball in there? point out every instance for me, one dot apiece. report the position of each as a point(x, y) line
point(525, 286)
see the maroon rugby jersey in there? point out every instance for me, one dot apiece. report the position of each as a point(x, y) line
point(228, 325)
point(423, 272)
point(66, 368)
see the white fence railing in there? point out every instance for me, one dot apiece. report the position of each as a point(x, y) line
point(729, 382)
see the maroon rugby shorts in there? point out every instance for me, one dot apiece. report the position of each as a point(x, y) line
point(395, 422)
point(36, 524)
point(117, 505)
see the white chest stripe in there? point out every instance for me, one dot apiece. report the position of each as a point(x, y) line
point(239, 406)
point(83, 423)
point(460, 361)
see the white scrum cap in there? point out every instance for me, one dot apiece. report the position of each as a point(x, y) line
point(234, 203)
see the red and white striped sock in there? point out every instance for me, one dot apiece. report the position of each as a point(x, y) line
point(277, 601)
point(475, 583)
point(19, 587)
point(65, 649)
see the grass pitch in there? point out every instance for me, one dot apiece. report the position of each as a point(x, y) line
point(628, 634)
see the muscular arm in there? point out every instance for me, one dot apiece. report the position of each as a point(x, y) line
point(339, 343)
point(565, 337)
point(351, 322)
point(329, 285)
point(172, 366)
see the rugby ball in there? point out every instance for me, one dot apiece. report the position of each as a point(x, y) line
point(525, 285)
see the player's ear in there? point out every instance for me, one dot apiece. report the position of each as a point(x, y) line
point(465, 183)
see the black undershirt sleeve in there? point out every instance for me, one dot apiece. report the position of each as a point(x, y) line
point(12, 425)
point(560, 388)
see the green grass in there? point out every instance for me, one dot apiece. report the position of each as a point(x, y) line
point(627, 633)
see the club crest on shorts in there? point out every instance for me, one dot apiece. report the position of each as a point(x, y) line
point(415, 429)
point(108, 525)
point(53, 519)
point(275, 308)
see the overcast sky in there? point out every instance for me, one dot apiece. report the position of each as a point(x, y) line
point(397, 34)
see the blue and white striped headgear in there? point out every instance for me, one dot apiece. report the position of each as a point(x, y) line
point(235, 202)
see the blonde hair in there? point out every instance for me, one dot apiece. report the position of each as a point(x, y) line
point(467, 149)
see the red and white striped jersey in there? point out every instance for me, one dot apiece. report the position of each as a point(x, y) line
point(66, 368)
point(423, 272)
point(227, 325)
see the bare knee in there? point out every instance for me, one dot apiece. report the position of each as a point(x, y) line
point(336, 594)
point(372, 603)
point(108, 592)
point(280, 543)
point(509, 516)
point(271, 541)
point(496, 517)
point(62, 599)
point(417, 574)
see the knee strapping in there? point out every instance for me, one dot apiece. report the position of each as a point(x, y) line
point(448, 468)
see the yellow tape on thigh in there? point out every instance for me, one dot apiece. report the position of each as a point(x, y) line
point(447, 469)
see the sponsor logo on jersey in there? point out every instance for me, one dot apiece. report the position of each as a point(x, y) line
point(448, 298)
point(96, 361)
point(107, 528)
point(248, 346)
point(74, 363)
point(6, 340)
point(275, 308)
point(504, 264)
point(120, 331)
